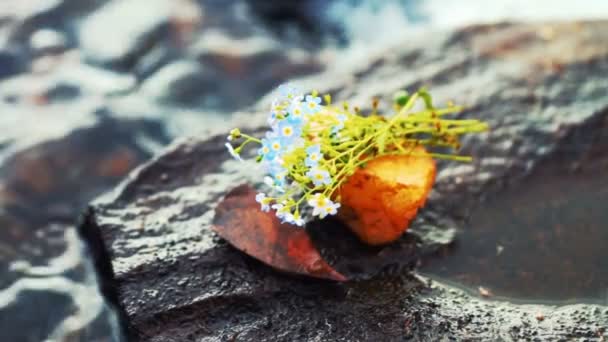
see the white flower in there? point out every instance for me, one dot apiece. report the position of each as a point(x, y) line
point(232, 152)
point(272, 182)
point(278, 207)
point(322, 206)
point(263, 200)
point(298, 221)
point(288, 218)
point(281, 211)
point(319, 176)
point(269, 181)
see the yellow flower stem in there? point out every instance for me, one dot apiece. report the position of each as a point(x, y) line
point(250, 138)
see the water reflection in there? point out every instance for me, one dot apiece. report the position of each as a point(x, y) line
point(543, 239)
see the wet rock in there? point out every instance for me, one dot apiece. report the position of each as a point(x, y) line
point(285, 17)
point(70, 154)
point(60, 78)
point(47, 41)
point(37, 192)
point(193, 266)
point(155, 59)
point(263, 61)
point(129, 36)
point(174, 280)
point(56, 306)
point(11, 63)
point(57, 15)
point(188, 82)
point(182, 82)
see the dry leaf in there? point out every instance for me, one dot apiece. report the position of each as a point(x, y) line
point(239, 220)
point(380, 200)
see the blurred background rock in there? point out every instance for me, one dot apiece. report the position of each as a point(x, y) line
point(89, 89)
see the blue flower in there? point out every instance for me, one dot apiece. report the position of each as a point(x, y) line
point(275, 145)
point(313, 155)
point(337, 128)
point(312, 104)
point(280, 179)
point(266, 151)
point(296, 112)
point(271, 135)
point(274, 169)
point(275, 184)
point(233, 152)
point(279, 175)
point(319, 176)
point(277, 112)
point(288, 91)
point(288, 131)
point(273, 117)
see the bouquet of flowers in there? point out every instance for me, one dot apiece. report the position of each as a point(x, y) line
point(314, 147)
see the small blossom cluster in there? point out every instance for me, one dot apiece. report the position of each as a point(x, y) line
point(286, 154)
point(312, 148)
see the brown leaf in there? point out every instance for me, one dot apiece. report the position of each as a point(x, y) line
point(239, 220)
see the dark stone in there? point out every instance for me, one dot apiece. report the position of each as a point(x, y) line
point(154, 60)
point(289, 13)
point(182, 82)
point(62, 92)
point(175, 280)
point(121, 43)
point(263, 61)
point(67, 80)
point(59, 16)
point(53, 308)
point(46, 178)
point(11, 63)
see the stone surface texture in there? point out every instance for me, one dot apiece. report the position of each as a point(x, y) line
point(541, 87)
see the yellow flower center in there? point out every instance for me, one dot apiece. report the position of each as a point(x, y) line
point(287, 131)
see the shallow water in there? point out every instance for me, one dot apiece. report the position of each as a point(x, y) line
point(542, 240)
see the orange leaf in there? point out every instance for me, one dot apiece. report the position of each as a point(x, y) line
point(380, 200)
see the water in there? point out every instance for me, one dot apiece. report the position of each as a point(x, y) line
point(72, 132)
point(541, 240)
